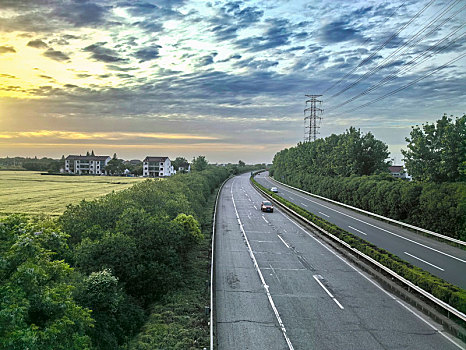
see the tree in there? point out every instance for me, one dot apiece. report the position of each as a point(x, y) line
point(350, 153)
point(37, 308)
point(178, 162)
point(199, 163)
point(54, 166)
point(115, 166)
point(241, 163)
point(137, 169)
point(437, 152)
point(117, 316)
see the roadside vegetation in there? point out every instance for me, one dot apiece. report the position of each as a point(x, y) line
point(351, 168)
point(106, 269)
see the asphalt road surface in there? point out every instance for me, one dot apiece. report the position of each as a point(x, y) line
point(279, 287)
point(440, 259)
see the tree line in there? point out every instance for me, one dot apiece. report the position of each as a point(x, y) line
point(352, 168)
point(88, 279)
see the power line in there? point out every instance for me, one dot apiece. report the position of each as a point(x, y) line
point(407, 85)
point(419, 59)
point(411, 42)
point(383, 44)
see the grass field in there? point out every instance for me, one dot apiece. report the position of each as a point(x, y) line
point(29, 192)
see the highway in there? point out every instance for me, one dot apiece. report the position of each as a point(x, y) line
point(277, 286)
point(440, 259)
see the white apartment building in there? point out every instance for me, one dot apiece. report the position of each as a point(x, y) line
point(81, 165)
point(157, 167)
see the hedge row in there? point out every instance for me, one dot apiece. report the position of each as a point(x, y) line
point(437, 207)
point(449, 293)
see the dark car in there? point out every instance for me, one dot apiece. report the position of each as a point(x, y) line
point(267, 206)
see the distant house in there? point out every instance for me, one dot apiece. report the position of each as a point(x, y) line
point(184, 167)
point(398, 171)
point(157, 167)
point(91, 164)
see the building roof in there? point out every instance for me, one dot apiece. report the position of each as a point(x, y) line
point(154, 159)
point(184, 165)
point(395, 168)
point(74, 157)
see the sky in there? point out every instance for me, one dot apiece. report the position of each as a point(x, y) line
point(223, 79)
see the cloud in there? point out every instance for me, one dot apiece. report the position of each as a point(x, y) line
point(147, 53)
point(101, 53)
point(339, 31)
point(278, 33)
point(230, 58)
point(38, 44)
point(9, 76)
point(81, 13)
point(56, 55)
point(206, 60)
point(232, 17)
point(103, 136)
point(83, 75)
point(255, 64)
point(7, 49)
point(245, 16)
point(46, 77)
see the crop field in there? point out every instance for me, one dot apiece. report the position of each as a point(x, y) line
point(29, 192)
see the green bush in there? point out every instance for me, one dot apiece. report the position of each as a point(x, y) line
point(124, 253)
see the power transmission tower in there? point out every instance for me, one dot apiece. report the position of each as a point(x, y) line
point(312, 118)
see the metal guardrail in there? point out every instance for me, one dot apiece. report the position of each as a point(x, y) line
point(365, 257)
point(420, 229)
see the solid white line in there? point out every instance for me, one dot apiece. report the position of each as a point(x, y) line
point(316, 277)
point(324, 214)
point(357, 230)
point(304, 204)
point(428, 263)
point(265, 219)
point(256, 265)
point(382, 229)
point(281, 239)
point(338, 303)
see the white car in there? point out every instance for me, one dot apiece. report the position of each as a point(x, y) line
point(274, 189)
